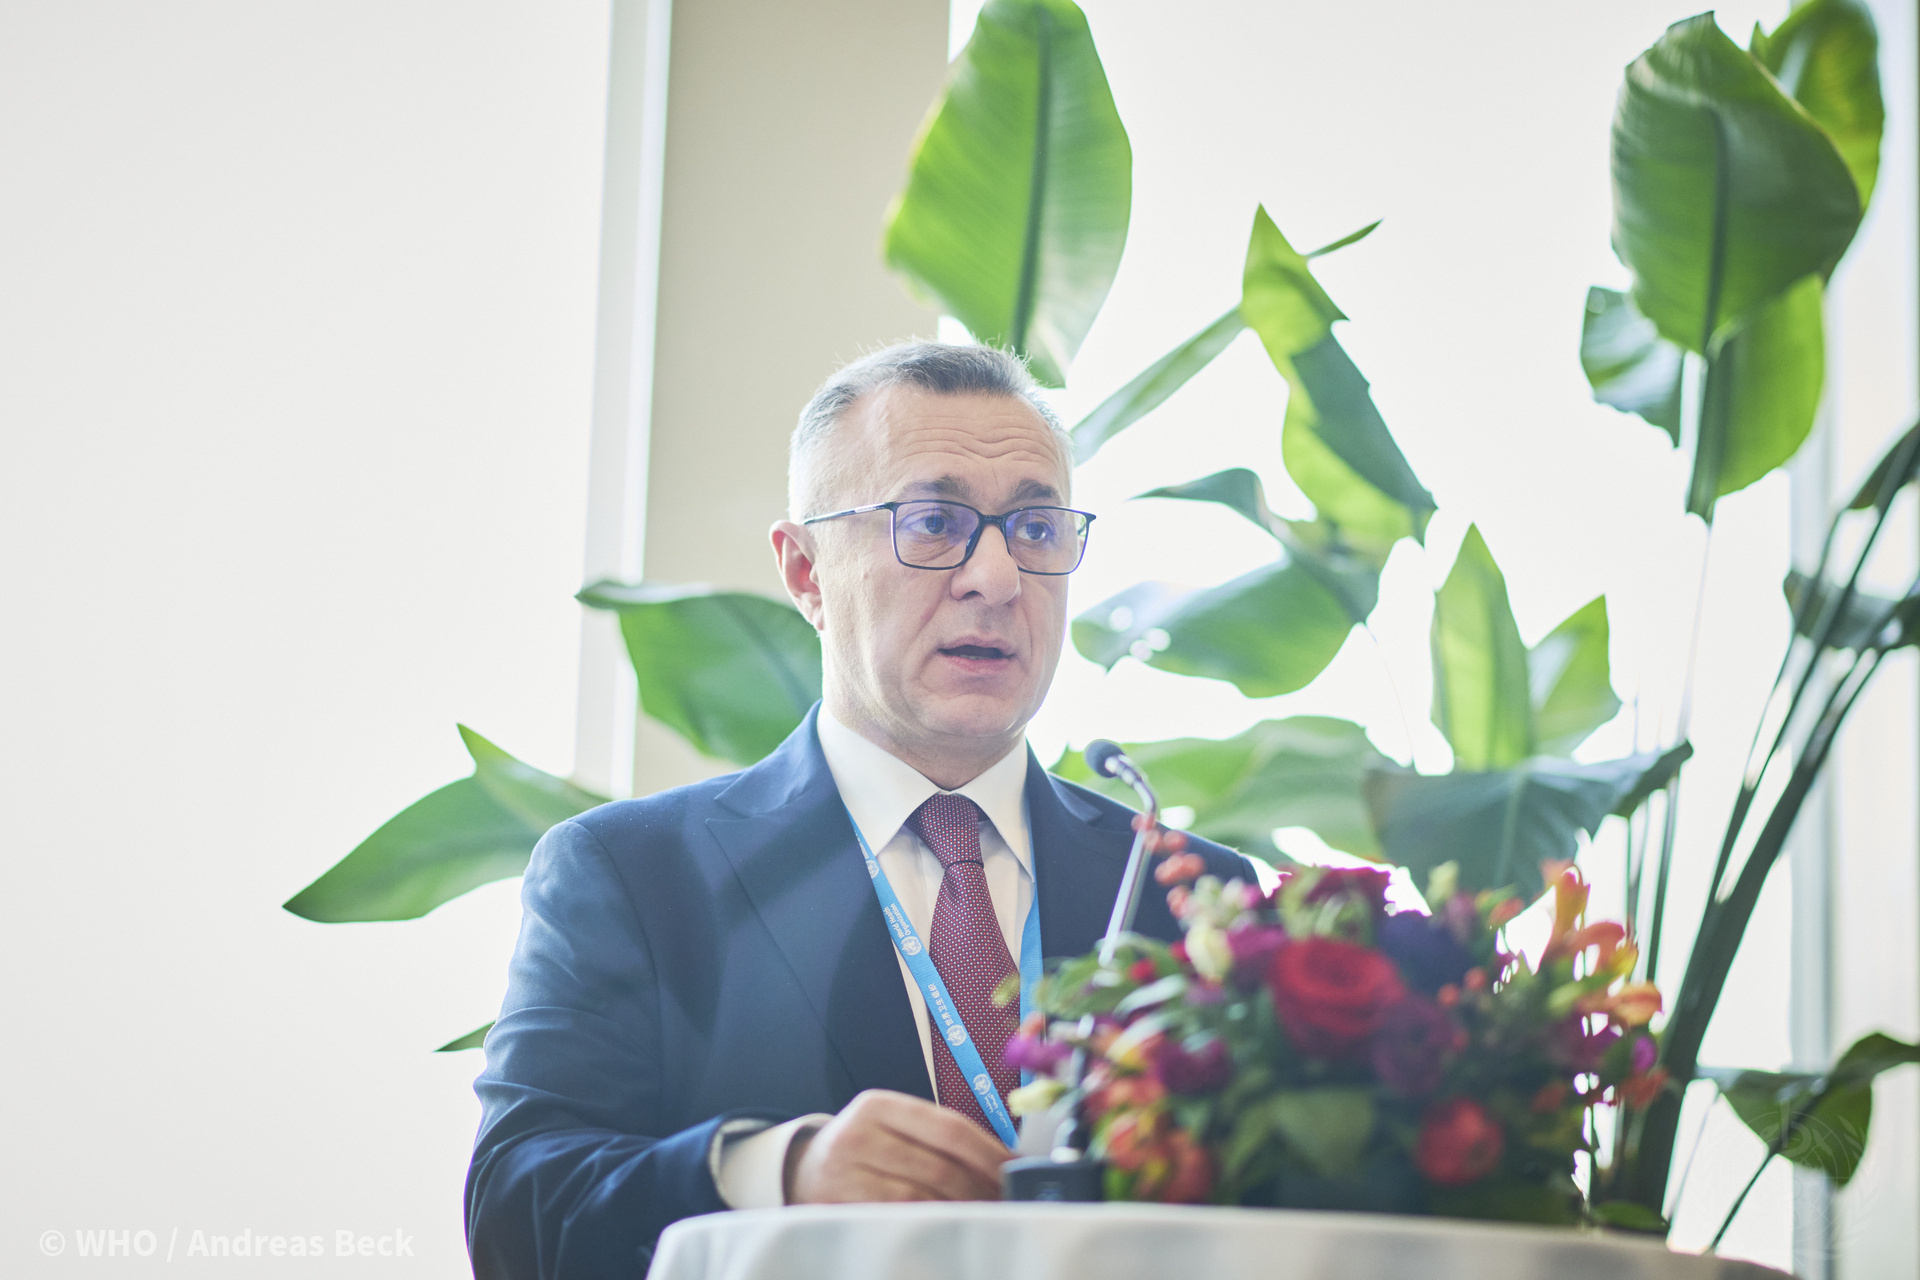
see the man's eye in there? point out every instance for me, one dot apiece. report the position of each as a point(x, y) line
point(928, 526)
point(1036, 529)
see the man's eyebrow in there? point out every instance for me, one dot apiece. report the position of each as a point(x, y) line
point(1029, 490)
point(960, 491)
point(944, 487)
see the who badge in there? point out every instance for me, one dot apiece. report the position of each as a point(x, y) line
point(956, 1035)
point(983, 1084)
point(910, 945)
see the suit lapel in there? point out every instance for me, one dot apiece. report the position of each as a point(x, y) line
point(794, 852)
point(1078, 862)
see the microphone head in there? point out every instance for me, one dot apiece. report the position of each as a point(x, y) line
point(1101, 755)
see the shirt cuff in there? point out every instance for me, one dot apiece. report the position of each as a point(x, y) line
point(749, 1160)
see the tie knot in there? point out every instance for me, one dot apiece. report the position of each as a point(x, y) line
point(950, 825)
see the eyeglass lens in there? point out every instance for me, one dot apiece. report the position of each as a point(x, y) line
point(934, 535)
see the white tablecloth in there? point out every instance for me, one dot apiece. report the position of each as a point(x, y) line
point(1138, 1242)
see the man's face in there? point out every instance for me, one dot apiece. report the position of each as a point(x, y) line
point(944, 663)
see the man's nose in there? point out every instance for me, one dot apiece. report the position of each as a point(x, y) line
point(990, 572)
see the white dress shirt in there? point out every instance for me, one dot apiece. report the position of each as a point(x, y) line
point(881, 792)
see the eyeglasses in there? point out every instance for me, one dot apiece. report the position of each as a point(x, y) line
point(942, 535)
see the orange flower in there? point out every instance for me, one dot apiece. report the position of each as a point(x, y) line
point(1639, 1092)
point(1631, 1006)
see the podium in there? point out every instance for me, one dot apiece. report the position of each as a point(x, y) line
point(1006, 1241)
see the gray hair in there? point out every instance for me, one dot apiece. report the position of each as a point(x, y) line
point(942, 368)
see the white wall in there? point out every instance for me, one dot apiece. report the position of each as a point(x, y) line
point(295, 357)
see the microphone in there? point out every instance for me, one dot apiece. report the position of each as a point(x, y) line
point(1055, 1164)
point(1107, 760)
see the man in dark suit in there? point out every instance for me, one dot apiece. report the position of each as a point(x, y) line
point(707, 1008)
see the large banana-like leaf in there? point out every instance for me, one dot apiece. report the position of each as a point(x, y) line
point(1571, 680)
point(468, 833)
point(1303, 771)
point(1019, 187)
point(1334, 442)
point(1268, 632)
point(1482, 698)
point(1629, 365)
point(1172, 371)
point(733, 673)
point(1763, 389)
point(1498, 826)
point(1151, 388)
point(1315, 545)
point(1825, 1115)
point(1827, 55)
point(1866, 619)
point(1725, 191)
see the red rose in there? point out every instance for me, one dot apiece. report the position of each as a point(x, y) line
point(1330, 995)
point(1459, 1143)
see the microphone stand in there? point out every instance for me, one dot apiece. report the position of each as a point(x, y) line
point(1067, 1173)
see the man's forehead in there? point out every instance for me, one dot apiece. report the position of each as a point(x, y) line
point(957, 446)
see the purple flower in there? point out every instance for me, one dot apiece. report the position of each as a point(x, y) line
point(1428, 953)
point(1460, 917)
point(1252, 947)
point(1365, 887)
point(1415, 1039)
point(1577, 1049)
point(1181, 1071)
point(1035, 1054)
point(1644, 1054)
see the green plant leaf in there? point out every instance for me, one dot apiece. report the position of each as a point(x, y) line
point(1626, 1215)
point(474, 1039)
point(1303, 771)
point(1503, 1199)
point(733, 673)
point(1170, 372)
point(1902, 455)
point(1268, 632)
point(1830, 1113)
point(1628, 364)
point(1352, 237)
point(1763, 389)
point(1499, 826)
point(466, 834)
point(1328, 1127)
point(1864, 620)
point(1571, 681)
point(1725, 190)
point(1316, 545)
point(1019, 187)
point(1827, 55)
point(1335, 444)
point(1151, 388)
point(1481, 699)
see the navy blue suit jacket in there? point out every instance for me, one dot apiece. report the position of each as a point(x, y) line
point(710, 952)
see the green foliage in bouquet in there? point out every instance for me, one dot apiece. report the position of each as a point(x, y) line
point(1305, 1048)
point(1740, 178)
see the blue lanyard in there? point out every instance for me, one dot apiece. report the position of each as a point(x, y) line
point(939, 1005)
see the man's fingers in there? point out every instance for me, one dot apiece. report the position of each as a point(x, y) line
point(956, 1138)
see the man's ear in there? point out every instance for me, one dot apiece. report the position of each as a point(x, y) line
point(793, 552)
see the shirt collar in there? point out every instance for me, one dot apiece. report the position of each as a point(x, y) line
point(881, 790)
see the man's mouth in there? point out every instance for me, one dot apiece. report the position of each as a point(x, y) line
point(976, 651)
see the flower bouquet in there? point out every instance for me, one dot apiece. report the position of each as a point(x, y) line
point(1308, 1048)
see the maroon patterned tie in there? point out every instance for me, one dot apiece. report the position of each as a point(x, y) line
point(969, 951)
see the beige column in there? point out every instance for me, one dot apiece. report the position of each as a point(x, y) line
point(784, 133)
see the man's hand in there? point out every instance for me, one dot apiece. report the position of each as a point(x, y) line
point(894, 1146)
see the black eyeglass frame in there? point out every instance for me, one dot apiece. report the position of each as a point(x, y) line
point(986, 522)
